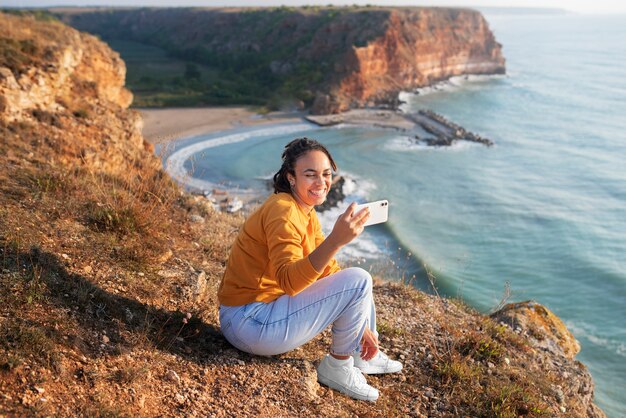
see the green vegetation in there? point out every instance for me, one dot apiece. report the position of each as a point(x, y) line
point(25, 340)
point(471, 370)
point(158, 79)
point(17, 55)
point(260, 57)
point(40, 15)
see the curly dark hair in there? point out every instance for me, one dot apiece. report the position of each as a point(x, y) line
point(294, 150)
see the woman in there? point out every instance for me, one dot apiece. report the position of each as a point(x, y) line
point(282, 286)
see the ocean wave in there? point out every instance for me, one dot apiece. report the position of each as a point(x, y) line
point(368, 246)
point(175, 163)
point(357, 187)
point(452, 84)
point(406, 143)
point(590, 333)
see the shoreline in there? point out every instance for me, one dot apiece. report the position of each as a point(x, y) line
point(163, 125)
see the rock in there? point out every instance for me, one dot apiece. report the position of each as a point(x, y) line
point(165, 256)
point(545, 329)
point(335, 195)
point(105, 339)
point(558, 394)
point(197, 287)
point(309, 381)
point(172, 376)
point(196, 219)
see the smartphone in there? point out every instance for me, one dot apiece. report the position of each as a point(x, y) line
point(379, 211)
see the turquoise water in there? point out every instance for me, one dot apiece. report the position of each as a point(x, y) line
point(544, 209)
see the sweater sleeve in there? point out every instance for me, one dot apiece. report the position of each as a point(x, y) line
point(332, 266)
point(288, 264)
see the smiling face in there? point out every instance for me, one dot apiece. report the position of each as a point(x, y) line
point(312, 179)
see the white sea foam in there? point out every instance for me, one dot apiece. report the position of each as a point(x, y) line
point(175, 164)
point(589, 332)
point(405, 143)
point(356, 189)
point(363, 247)
point(452, 84)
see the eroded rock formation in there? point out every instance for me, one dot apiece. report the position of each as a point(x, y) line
point(418, 48)
point(555, 347)
point(70, 81)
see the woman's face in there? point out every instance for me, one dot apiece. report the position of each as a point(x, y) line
point(313, 176)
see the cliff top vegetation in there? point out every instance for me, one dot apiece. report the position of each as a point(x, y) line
point(287, 56)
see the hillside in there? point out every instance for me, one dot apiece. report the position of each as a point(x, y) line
point(327, 59)
point(109, 271)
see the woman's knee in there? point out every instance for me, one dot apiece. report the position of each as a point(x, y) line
point(360, 277)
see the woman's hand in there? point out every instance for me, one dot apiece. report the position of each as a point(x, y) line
point(369, 345)
point(349, 225)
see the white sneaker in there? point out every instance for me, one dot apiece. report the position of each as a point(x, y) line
point(345, 378)
point(380, 364)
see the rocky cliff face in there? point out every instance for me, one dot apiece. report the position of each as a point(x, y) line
point(53, 75)
point(555, 347)
point(418, 47)
point(333, 59)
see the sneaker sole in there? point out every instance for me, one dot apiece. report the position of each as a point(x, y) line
point(336, 386)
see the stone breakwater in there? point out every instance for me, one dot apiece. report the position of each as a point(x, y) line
point(425, 127)
point(445, 131)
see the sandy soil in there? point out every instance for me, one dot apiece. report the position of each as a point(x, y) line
point(164, 125)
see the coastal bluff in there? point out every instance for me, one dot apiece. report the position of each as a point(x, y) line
point(109, 273)
point(328, 59)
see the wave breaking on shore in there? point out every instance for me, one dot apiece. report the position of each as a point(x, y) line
point(175, 163)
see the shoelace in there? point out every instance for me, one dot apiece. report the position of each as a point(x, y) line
point(383, 356)
point(356, 378)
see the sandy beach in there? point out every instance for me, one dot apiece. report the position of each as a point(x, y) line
point(169, 124)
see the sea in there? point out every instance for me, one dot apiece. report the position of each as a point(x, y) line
point(540, 215)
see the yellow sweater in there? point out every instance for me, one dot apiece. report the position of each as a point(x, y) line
point(270, 255)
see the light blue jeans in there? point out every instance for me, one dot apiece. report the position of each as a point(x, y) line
point(343, 299)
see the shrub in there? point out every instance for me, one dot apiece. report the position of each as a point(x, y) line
point(119, 219)
point(17, 55)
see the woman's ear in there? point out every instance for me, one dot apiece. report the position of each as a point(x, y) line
point(291, 179)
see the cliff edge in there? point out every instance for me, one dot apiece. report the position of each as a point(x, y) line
point(329, 59)
point(109, 273)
